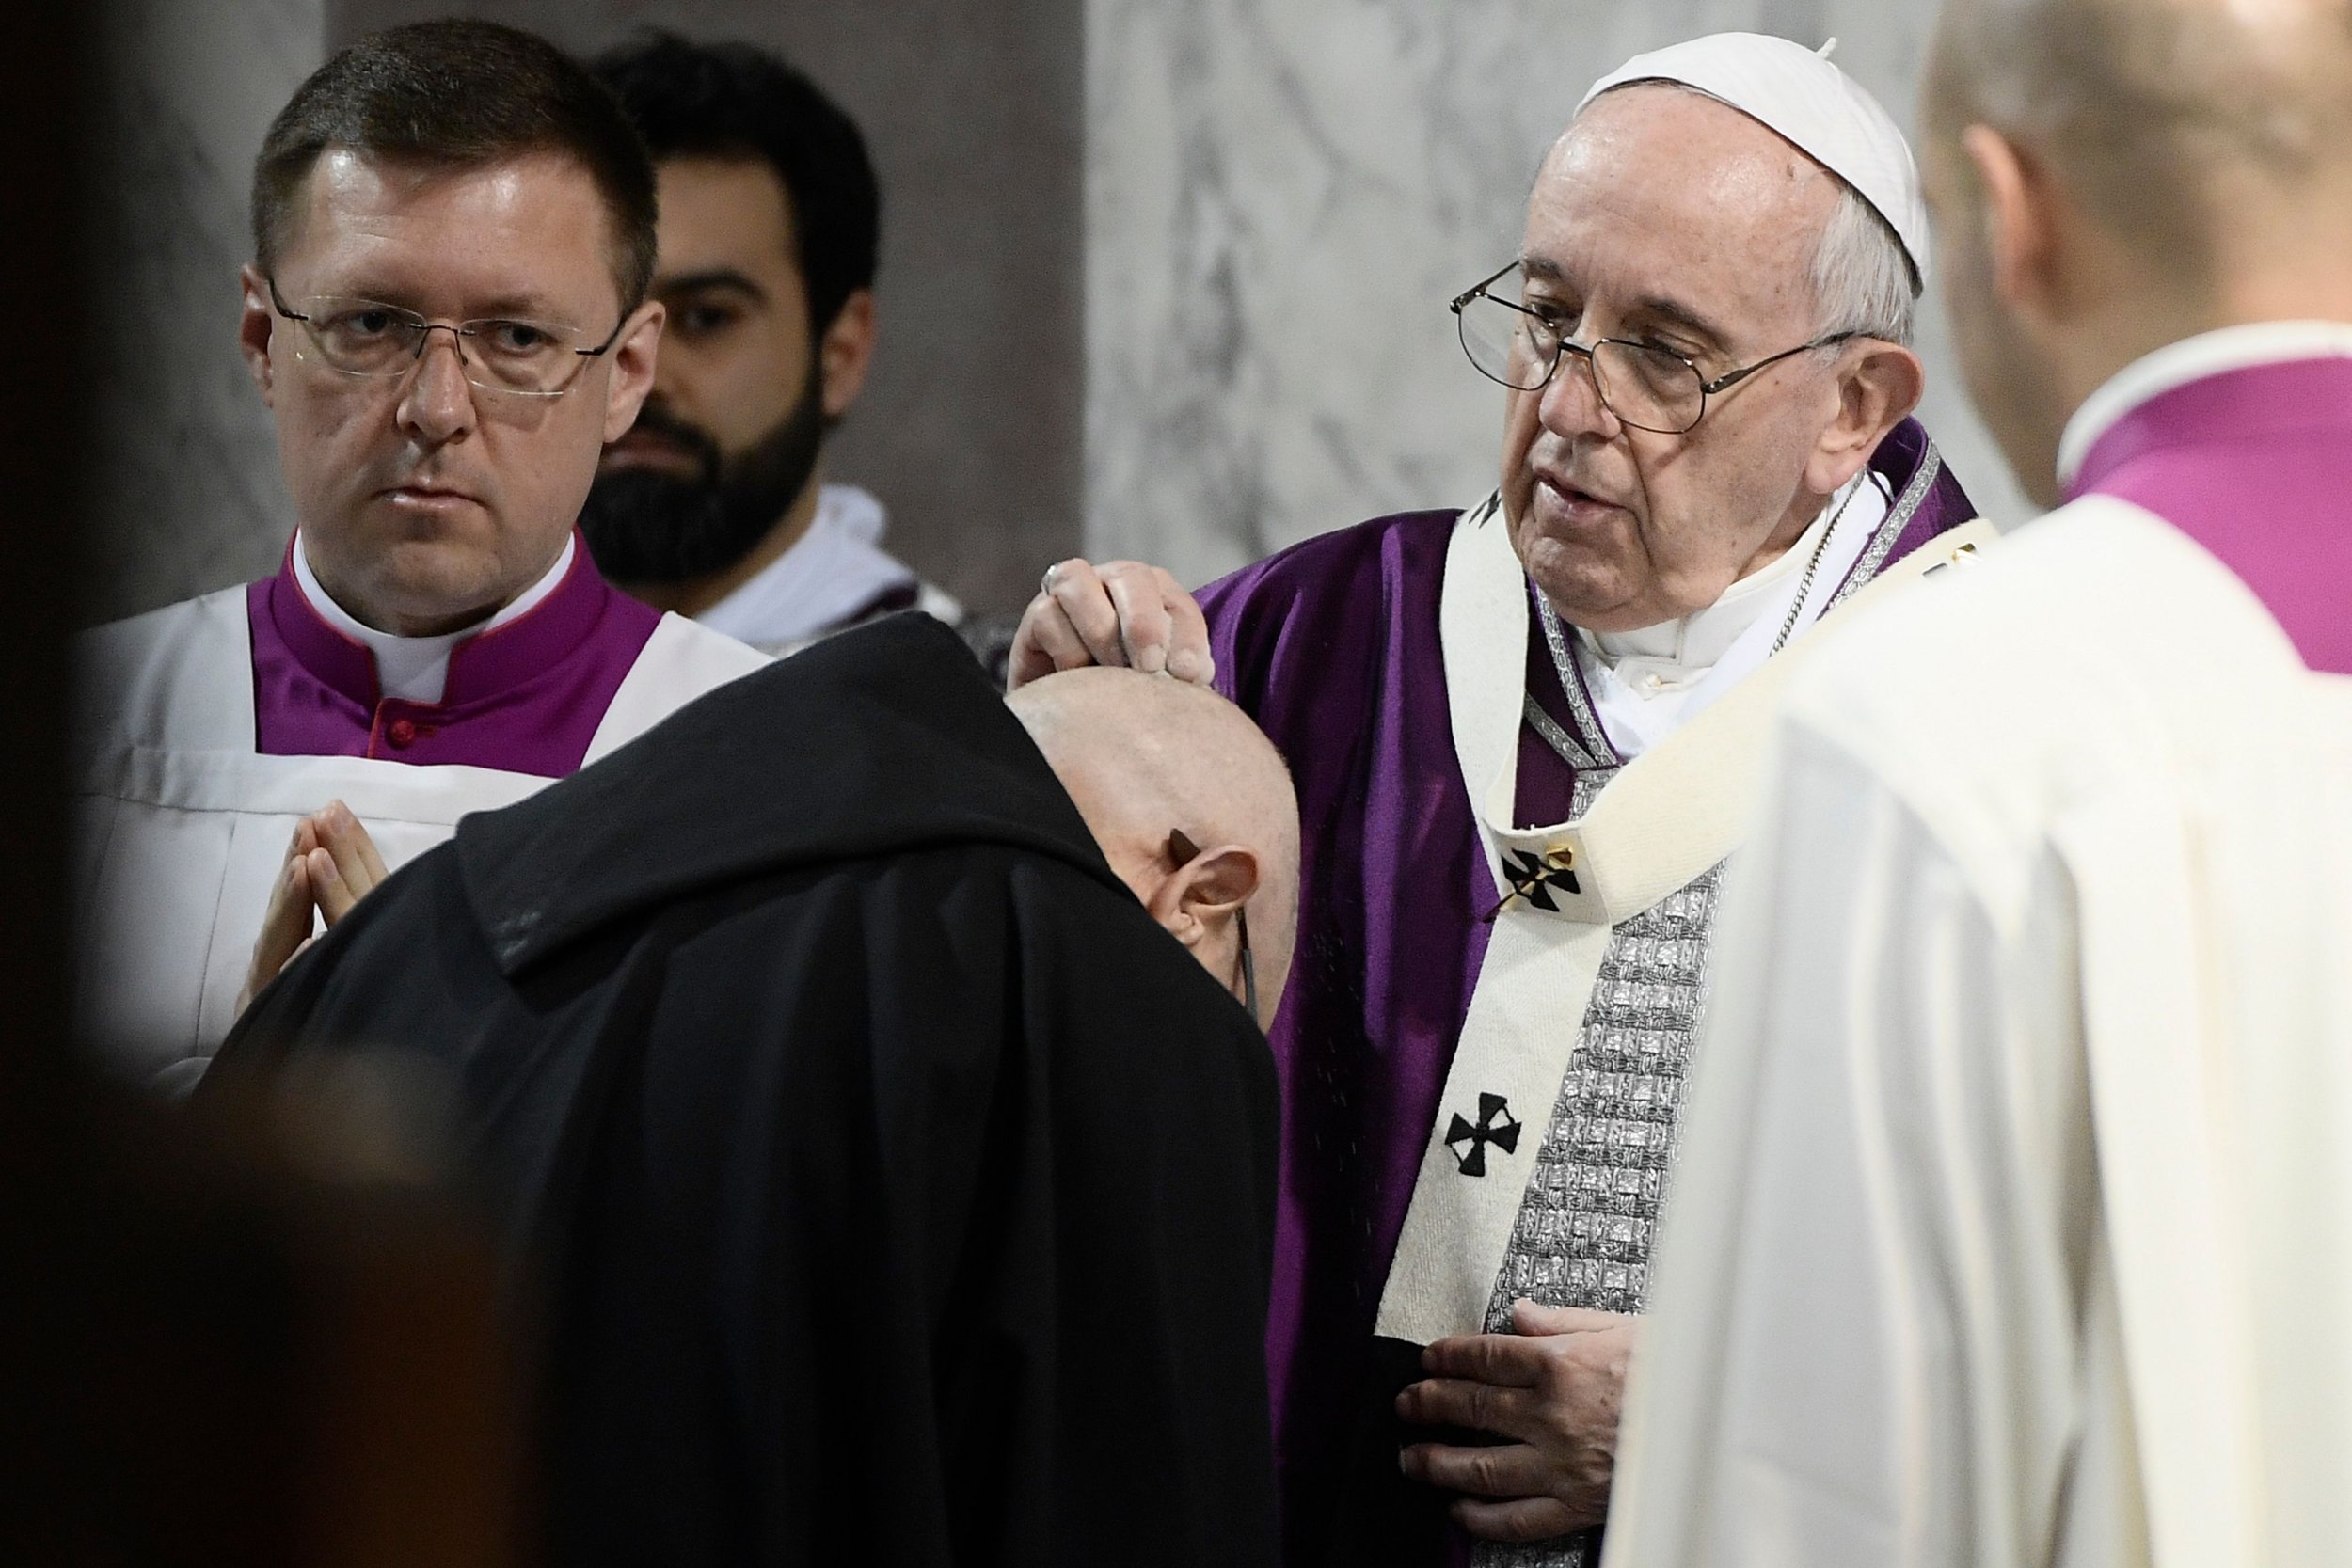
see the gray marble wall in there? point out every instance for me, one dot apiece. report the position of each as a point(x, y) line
point(187, 497)
point(1281, 196)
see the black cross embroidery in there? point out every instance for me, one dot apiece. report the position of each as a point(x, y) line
point(1533, 878)
point(1496, 1126)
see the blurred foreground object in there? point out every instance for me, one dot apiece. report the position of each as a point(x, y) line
point(211, 1352)
point(226, 1346)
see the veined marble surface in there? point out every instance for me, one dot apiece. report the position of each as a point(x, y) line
point(188, 496)
point(1281, 197)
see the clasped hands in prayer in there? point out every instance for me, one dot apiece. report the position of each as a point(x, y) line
point(331, 863)
point(1553, 1387)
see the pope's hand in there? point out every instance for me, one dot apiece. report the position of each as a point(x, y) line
point(1119, 613)
point(1554, 1389)
point(330, 865)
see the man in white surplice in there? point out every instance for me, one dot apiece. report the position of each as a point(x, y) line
point(447, 313)
point(2016, 1224)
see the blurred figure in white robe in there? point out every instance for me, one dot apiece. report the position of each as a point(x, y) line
point(2016, 1222)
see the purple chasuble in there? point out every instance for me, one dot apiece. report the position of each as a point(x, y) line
point(1332, 646)
point(2256, 466)
point(525, 697)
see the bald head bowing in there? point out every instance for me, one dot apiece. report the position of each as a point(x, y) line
point(1145, 757)
point(2162, 115)
point(2110, 176)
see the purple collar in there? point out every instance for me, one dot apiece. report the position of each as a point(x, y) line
point(524, 697)
point(2254, 463)
point(480, 666)
point(2260, 402)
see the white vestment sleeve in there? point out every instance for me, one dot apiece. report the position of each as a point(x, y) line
point(1867, 1346)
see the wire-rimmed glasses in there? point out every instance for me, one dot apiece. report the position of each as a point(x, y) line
point(1643, 385)
point(497, 354)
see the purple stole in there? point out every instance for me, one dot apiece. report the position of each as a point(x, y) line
point(2255, 465)
point(525, 697)
point(1332, 646)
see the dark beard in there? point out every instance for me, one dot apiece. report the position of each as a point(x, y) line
point(661, 528)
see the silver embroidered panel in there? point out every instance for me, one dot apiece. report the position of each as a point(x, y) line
point(1583, 1236)
point(1583, 1231)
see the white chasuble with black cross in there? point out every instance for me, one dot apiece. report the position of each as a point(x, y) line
point(1598, 917)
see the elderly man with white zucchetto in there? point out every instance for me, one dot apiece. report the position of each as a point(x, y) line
point(1525, 736)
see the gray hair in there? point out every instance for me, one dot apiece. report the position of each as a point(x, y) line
point(1862, 280)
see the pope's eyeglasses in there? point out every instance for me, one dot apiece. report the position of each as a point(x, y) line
point(1645, 386)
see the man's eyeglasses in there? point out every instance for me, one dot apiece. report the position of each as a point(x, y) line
point(364, 336)
point(1183, 852)
point(1644, 385)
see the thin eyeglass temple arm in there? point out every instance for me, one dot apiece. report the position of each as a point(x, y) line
point(1712, 387)
point(616, 337)
point(1481, 286)
point(1249, 970)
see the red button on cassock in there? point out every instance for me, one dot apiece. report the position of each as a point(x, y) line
point(401, 732)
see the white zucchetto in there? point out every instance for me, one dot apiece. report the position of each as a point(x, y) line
point(1808, 103)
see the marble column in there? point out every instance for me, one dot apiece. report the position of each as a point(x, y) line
point(187, 496)
point(1283, 195)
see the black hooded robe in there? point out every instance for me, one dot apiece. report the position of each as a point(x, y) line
point(898, 1193)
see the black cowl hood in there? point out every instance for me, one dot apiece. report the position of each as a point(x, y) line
point(882, 739)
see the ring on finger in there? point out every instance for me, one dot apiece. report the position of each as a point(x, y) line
point(1045, 583)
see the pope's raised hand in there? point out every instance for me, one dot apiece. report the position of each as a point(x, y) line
point(1553, 1389)
point(331, 863)
point(1120, 612)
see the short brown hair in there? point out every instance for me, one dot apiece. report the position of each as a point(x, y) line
point(460, 94)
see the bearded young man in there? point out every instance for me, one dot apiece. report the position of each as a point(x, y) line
point(715, 503)
point(1523, 737)
point(447, 315)
point(2016, 1231)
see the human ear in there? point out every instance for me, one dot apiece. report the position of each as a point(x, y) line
point(634, 354)
point(2020, 221)
point(846, 351)
point(1199, 900)
point(1879, 384)
point(254, 328)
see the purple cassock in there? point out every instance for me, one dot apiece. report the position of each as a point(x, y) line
point(524, 697)
point(1333, 647)
point(2254, 462)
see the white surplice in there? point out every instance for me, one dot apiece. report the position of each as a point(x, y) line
point(832, 575)
point(182, 827)
point(1647, 683)
point(2014, 1222)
